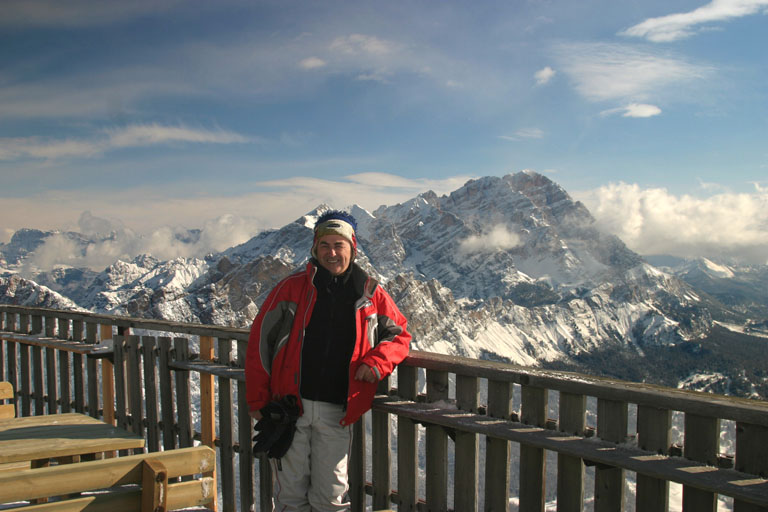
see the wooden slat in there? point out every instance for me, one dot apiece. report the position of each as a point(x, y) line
point(11, 374)
point(245, 435)
point(702, 443)
point(381, 453)
point(612, 420)
point(99, 474)
point(357, 465)
point(79, 377)
point(497, 451)
point(62, 435)
point(653, 433)
point(108, 378)
point(751, 457)
point(226, 432)
point(532, 459)
point(207, 398)
point(167, 408)
point(436, 484)
point(466, 473)
point(25, 379)
point(50, 380)
point(149, 365)
point(407, 443)
point(182, 495)
point(39, 380)
point(183, 398)
point(134, 384)
point(118, 347)
point(570, 470)
point(65, 388)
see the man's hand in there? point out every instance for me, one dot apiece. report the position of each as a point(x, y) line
point(364, 372)
point(255, 415)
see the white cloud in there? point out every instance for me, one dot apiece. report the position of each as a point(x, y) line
point(530, 133)
point(544, 75)
point(144, 219)
point(634, 110)
point(113, 241)
point(361, 44)
point(524, 133)
point(312, 63)
point(654, 221)
point(152, 134)
point(681, 25)
point(641, 110)
point(606, 72)
point(138, 135)
point(498, 238)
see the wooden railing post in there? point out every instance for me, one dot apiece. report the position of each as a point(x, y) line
point(357, 467)
point(532, 460)
point(207, 401)
point(381, 453)
point(107, 378)
point(570, 470)
point(92, 370)
point(183, 398)
point(465, 495)
point(149, 365)
point(653, 434)
point(118, 347)
point(497, 451)
point(245, 431)
point(25, 378)
point(78, 372)
point(65, 389)
point(226, 431)
point(702, 444)
point(167, 403)
point(437, 447)
point(407, 440)
point(751, 457)
point(612, 420)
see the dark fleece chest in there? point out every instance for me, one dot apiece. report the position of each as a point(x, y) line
point(329, 340)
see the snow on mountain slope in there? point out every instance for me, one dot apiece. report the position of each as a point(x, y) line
point(506, 268)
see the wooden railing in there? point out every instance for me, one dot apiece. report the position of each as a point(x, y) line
point(142, 374)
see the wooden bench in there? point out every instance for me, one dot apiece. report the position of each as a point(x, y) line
point(145, 482)
point(6, 393)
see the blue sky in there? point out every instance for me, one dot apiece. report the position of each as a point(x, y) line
point(238, 115)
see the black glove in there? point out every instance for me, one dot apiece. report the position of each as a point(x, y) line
point(275, 429)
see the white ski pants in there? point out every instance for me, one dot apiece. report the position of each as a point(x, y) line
point(313, 477)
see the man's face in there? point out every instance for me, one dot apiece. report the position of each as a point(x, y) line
point(334, 252)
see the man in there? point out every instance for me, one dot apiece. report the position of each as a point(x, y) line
point(326, 335)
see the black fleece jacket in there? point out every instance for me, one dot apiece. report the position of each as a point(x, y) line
point(329, 337)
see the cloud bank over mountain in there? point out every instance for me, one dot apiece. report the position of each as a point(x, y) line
point(654, 221)
point(716, 223)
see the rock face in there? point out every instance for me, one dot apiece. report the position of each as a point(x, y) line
point(509, 268)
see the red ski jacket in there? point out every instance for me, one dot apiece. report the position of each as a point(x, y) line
point(273, 360)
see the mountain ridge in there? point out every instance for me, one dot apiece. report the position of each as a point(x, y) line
point(509, 268)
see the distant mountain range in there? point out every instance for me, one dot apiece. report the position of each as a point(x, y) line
point(508, 268)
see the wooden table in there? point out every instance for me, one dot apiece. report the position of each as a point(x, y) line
point(37, 439)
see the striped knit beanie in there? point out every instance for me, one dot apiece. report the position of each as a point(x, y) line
point(336, 222)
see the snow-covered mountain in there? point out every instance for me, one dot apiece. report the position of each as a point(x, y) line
point(506, 268)
point(736, 292)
